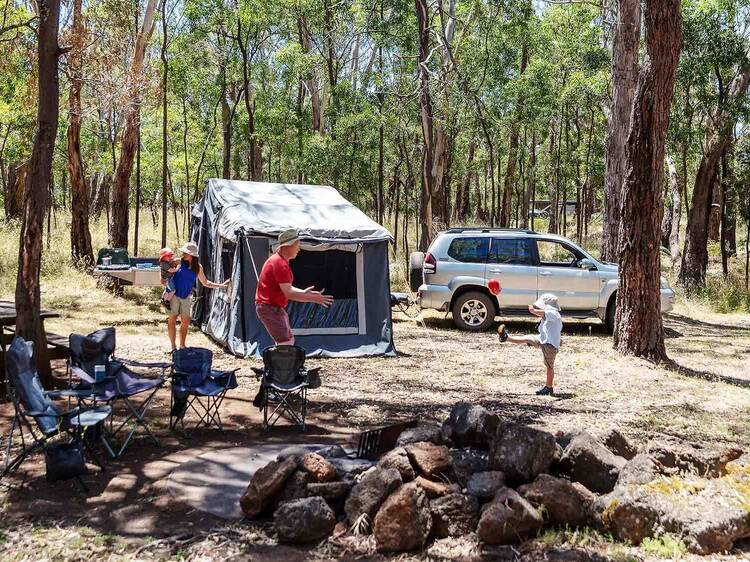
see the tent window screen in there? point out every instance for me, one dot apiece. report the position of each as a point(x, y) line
point(335, 271)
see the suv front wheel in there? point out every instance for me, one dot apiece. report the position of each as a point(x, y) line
point(473, 311)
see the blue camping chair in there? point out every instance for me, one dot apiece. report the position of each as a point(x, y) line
point(120, 383)
point(197, 387)
point(284, 383)
point(37, 419)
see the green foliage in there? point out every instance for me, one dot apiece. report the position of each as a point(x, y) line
point(664, 546)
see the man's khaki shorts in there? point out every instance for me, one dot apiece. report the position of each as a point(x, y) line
point(549, 351)
point(180, 307)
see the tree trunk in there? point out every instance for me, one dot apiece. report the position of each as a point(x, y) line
point(164, 115)
point(14, 191)
point(676, 198)
point(310, 82)
point(462, 196)
point(728, 217)
point(695, 257)
point(714, 215)
point(82, 253)
point(118, 236)
point(36, 195)
point(528, 198)
point(624, 77)
point(638, 322)
point(256, 148)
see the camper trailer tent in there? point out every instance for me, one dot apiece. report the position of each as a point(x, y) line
point(235, 226)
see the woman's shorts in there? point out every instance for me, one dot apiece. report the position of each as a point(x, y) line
point(276, 322)
point(180, 307)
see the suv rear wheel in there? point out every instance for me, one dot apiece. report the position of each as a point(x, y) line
point(473, 311)
point(609, 318)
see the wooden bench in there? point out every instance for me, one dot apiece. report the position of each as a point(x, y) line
point(57, 345)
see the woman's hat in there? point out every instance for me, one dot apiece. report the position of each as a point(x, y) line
point(189, 248)
point(288, 237)
point(547, 299)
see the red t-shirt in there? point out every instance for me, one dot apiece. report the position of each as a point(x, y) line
point(275, 271)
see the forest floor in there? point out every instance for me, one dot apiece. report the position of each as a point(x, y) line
point(129, 515)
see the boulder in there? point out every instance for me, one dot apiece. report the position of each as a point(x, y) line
point(522, 452)
point(508, 519)
point(295, 451)
point(265, 484)
point(484, 485)
point(641, 469)
point(304, 520)
point(398, 459)
point(564, 502)
point(619, 444)
point(404, 521)
point(708, 515)
point(470, 426)
point(434, 489)
point(693, 458)
point(429, 433)
point(430, 459)
point(349, 468)
point(589, 462)
point(294, 488)
point(467, 461)
point(334, 493)
point(370, 492)
point(319, 469)
point(332, 452)
point(454, 515)
point(563, 438)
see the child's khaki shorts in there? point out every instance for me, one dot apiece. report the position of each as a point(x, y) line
point(549, 351)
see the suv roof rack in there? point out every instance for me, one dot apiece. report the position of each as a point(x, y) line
point(460, 229)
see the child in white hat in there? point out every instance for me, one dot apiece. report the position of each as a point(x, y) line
point(547, 308)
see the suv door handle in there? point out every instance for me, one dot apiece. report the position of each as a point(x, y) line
point(545, 273)
point(495, 270)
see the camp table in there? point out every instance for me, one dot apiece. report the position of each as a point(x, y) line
point(8, 317)
point(137, 276)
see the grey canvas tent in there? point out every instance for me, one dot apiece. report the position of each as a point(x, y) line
point(235, 226)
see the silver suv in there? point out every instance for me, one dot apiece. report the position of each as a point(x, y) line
point(460, 262)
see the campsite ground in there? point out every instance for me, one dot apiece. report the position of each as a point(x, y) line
point(130, 514)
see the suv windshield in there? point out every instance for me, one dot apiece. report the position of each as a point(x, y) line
point(470, 250)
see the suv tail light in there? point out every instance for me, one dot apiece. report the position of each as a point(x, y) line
point(430, 263)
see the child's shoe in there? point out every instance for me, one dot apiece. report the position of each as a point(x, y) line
point(545, 391)
point(502, 333)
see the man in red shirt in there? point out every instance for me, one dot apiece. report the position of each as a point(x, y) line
point(275, 290)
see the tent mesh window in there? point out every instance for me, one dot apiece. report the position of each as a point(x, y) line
point(336, 272)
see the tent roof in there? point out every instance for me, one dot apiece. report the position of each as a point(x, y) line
point(318, 211)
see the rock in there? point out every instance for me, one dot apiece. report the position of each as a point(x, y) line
point(429, 458)
point(484, 485)
point(454, 515)
point(618, 444)
point(563, 438)
point(330, 491)
point(465, 548)
point(522, 452)
point(319, 469)
point(370, 492)
point(349, 468)
point(295, 451)
point(470, 426)
point(691, 457)
point(398, 459)
point(429, 433)
point(332, 452)
point(434, 489)
point(508, 519)
point(589, 462)
point(709, 515)
point(565, 503)
point(304, 520)
point(641, 469)
point(265, 484)
point(404, 521)
point(295, 488)
point(467, 462)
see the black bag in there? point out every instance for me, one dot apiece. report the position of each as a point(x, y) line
point(64, 461)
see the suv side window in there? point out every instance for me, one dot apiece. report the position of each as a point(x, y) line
point(555, 254)
point(470, 249)
point(511, 251)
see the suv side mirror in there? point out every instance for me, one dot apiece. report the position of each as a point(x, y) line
point(587, 264)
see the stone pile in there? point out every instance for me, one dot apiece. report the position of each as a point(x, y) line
point(501, 483)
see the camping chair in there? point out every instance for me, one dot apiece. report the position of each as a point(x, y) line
point(283, 384)
point(120, 383)
point(197, 387)
point(36, 418)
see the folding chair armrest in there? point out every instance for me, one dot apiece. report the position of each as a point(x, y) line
point(80, 374)
point(70, 393)
point(215, 373)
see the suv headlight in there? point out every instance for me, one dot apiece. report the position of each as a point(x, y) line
point(664, 283)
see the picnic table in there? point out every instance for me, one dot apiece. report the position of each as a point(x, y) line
point(57, 346)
